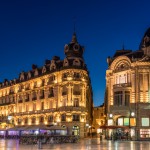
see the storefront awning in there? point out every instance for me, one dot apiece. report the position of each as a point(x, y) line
point(35, 127)
point(17, 128)
point(56, 128)
point(113, 127)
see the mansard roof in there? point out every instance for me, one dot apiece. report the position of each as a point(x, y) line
point(134, 55)
point(121, 52)
point(59, 65)
point(73, 52)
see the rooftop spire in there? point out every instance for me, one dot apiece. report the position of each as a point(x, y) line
point(74, 38)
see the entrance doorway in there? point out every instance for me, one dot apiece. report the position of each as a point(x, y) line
point(75, 130)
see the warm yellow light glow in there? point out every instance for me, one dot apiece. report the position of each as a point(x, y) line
point(82, 120)
point(83, 79)
point(38, 83)
point(58, 120)
point(69, 78)
point(99, 130)
point(37, 122)
point(69, 119)
point(55, 81)
point(29, 123)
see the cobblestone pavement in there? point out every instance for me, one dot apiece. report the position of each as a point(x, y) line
point(86, 144)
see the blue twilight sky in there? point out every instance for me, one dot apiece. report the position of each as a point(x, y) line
point(34, 30)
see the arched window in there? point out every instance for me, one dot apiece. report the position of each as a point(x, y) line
point(63, 117)
point(19, 120)
point(41, 119)
point(76, 117)
point(33, 120)
point(26, 121)
point(50, 118)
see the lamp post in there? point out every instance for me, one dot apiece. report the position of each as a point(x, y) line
point(132, 124)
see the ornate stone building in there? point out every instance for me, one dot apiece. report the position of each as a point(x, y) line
point(99, 119)
point(59, 93)
point(128, 90)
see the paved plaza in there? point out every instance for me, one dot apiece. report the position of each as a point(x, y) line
point(86, 144)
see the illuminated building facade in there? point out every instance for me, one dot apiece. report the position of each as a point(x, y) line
point(99, 118)
point(128, 89)
point(59, 93)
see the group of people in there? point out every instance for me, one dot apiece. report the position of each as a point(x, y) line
point(46, 139)
point(120, 136)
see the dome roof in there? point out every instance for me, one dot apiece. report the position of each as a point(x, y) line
point(145, 40)
point(73, 49)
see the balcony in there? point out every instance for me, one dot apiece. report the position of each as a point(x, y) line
point(76, 119)
point(76, 93)
point(63, 119)
point(72, 108)
point(122, 85)
point(3, 104)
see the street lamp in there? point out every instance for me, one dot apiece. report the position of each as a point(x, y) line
point(132, 114)
point(110, 115)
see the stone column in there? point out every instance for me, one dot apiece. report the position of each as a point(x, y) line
point(59, 95)
point(83, 91)
point(70, 94)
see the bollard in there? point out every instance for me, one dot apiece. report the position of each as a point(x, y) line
point(39, 144)
point(100, 137)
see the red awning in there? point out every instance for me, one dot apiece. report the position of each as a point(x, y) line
point(113, 127)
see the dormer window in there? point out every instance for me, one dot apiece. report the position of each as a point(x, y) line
point(76, 62)
point(44, 69)
point(66, 63)
point(53, 65)
point(22, 76)
point(29, 75)
point(36, 73)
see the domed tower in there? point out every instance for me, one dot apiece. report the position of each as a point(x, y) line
point(145, 43)
point(73, 49)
